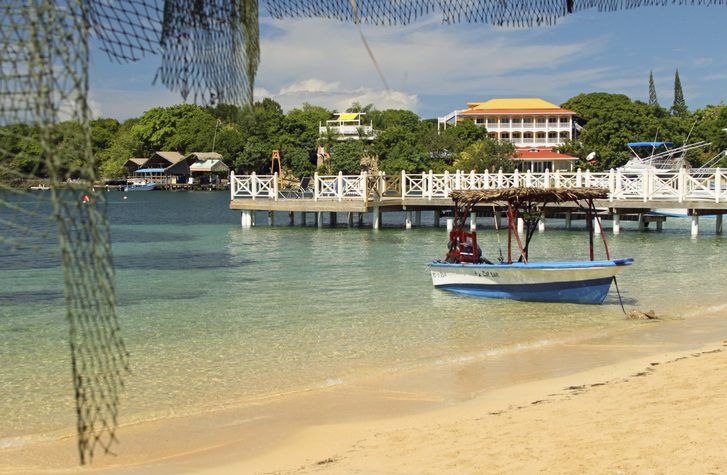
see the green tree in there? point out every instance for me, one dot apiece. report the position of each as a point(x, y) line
point(652, 91)
point(184, 128)
point(346, 157)
point(679, 107)
point(486, 154)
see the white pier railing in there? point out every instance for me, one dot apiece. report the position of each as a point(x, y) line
point(646, 185)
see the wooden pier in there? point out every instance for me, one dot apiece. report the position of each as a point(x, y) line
point(646, 197)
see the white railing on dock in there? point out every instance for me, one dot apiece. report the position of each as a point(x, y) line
point(646, 185)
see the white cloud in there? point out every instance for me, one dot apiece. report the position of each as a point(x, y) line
point(424, 59)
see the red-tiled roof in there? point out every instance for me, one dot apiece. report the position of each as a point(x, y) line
point(541, 154)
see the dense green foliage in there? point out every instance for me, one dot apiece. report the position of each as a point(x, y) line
point(612, 120)
point(247, 137)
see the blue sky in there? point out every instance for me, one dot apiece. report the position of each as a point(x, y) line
point(433, 68)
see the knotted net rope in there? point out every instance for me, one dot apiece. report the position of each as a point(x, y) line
point(209, 52)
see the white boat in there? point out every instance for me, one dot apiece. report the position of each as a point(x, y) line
point(465, 271)
point(40, 187)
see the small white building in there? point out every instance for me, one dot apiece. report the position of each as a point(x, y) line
point(348, 126)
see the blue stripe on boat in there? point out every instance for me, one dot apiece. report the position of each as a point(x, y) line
point(583, 291)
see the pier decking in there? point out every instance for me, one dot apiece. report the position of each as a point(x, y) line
point(644, 196)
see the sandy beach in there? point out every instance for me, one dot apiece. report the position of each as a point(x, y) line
point(633, 404)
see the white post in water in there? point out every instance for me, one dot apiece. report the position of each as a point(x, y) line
point(541, 223)
point(616, 223)
point(473, 221)
point(349, 219)
point(319, 219)
point(271, 218)
point(245, 219)
point(597, 225)
point(407, 220)
point(695, 224)
point(376, 218)
point(718, 224)
point(450, 224)
point(642, 222)
point(520, 225)
point(252, 217)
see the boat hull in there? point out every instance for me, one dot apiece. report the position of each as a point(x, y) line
point(585, 282)
point(140, 187)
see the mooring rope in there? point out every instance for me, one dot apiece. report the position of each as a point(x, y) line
point(620, 300)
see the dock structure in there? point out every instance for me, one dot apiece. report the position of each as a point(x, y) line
point(647, 196)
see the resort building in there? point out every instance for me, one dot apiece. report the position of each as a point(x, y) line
point(348, 126)
point(533, 125)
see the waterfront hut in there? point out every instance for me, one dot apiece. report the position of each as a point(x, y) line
point(207, 167)
point(163, 168)
point(134, 164)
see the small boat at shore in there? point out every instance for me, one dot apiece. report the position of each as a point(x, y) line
point(466, 271)
point(40, 188)
point(140, 186)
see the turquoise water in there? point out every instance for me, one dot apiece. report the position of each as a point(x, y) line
point(216, 316)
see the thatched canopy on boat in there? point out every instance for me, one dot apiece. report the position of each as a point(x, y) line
point(541, 195)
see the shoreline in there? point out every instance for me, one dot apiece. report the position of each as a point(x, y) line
point(326, 424)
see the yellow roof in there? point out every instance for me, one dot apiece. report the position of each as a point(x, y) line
point(524, 103)
point(348, 116)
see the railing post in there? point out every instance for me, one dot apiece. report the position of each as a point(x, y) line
point(381, 185)
point(486, 185)
point(316, 187)
point(516, 179)
point(546, 179)
point(588, 178)
point(579, 178)
point(233, 186)
point(717, 185)
point(340, 190)
point(430, 185)
point(445, 184)
point(682, 184)
point(253, 185)
point(556, 179)
point(500, 178)
point(528, 178)
point(403, 184)
point(275, 186)
point(645, 184)
point(365, 187)
point(458, 180)
point(611, 183)
point(472, 185)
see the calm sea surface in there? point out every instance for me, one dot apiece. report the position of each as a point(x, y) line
point(216, 316)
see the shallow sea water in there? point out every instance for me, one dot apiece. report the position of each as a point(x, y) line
point(217, 316)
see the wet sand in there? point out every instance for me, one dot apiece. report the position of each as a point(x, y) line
point(646, 401)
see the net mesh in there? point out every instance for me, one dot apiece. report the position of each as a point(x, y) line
point(209, 52)
point(517, 13)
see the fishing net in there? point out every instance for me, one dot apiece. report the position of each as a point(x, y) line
point(518, 13)
point(209, 52)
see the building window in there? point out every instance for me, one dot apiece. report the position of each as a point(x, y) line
point(541, 166)
point(565, 135)
point(505, 120)
point(505, 135)
point(492, 120)
point(516, 120)
point(540, 120)
point(552, 120)
point(527, 120)
point(492, 135)
point(564, 120)
point(479, 121)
